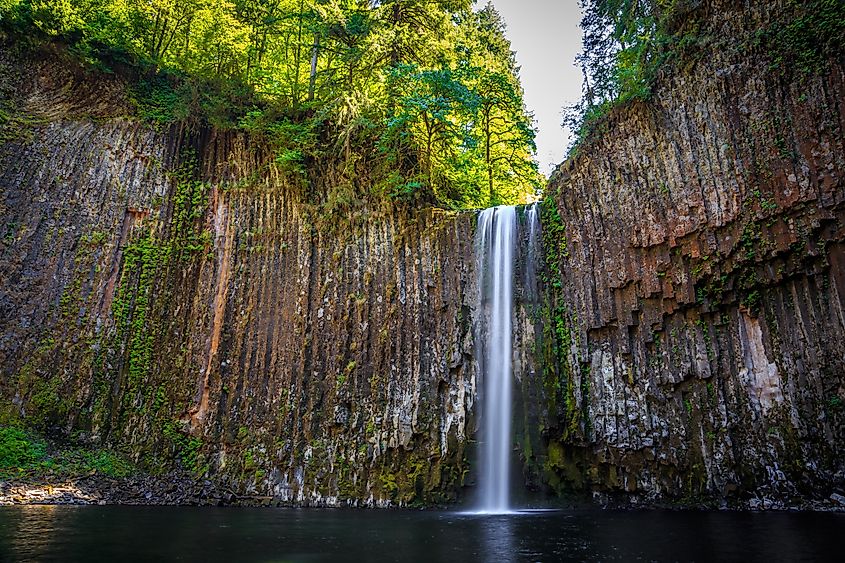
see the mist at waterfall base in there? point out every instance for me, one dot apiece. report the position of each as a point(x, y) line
point(135, 533)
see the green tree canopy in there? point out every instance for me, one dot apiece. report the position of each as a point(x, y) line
point(429, 85)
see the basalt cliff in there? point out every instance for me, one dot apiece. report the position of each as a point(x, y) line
point(700, 312)
point(171, 293)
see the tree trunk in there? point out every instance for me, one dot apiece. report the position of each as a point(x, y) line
point(312, 80)
point(487, 158)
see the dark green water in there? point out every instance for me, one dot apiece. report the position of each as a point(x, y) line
point(65, 533)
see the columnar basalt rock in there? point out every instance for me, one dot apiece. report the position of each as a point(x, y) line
point(170, 292)
point(702, 284)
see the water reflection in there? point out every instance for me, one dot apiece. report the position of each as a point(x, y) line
point(497, 535)
point(233, 534)
point(35, 529)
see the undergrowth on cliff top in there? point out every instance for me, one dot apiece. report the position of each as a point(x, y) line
point(426, 91)
point(628, 42)
point(625, 43)
point(23, 454)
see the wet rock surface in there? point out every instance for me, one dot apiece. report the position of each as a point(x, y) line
point(96, 489)
point(175, 488)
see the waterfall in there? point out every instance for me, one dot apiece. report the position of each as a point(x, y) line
point(496, 240)
point(532, 218)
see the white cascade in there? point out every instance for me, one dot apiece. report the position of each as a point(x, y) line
point(496, 240)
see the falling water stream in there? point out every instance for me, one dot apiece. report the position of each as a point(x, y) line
point(499, 251)
point(496, 242)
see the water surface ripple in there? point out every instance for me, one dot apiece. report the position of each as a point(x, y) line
point(126, 533)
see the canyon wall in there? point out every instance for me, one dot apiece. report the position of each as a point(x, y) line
point(700, 317)
point(171, 293)
point(175, 293)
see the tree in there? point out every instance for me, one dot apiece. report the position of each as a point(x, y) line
point(624, 44)
point(507, 134)
point(426, 89)
point(502, 125)
point(415, 31)
point(427, 111)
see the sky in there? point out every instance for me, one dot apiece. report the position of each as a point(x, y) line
point(546, 38)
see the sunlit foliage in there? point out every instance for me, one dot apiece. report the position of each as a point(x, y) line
point(426, 89)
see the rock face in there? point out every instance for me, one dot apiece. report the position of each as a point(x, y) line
point(702, 298)
point(170, 293)
point(175, 293)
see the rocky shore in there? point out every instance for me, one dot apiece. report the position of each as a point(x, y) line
point(178, 489)
point(95, 489)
